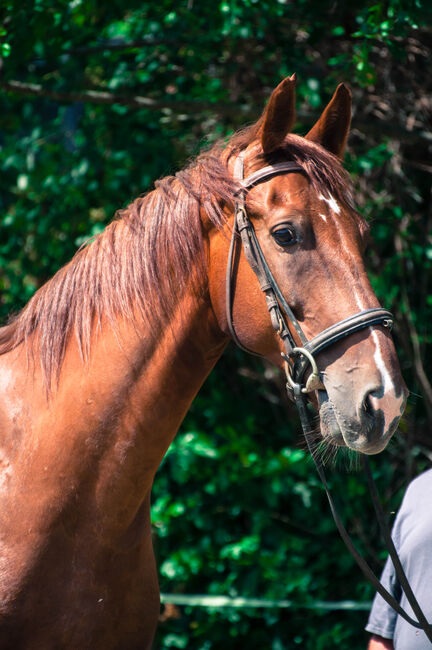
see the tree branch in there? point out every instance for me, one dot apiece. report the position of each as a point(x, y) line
point(418, 366)
point(134, 102)
point(123, 45)
point(106, 97)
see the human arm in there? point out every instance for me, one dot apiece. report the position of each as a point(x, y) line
point(380, 643)
point(382, 618)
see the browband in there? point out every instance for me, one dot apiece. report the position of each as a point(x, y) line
point(262, 174)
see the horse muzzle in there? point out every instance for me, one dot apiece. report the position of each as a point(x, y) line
point(365, 425)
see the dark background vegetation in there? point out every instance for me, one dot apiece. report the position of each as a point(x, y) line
point(98, 99)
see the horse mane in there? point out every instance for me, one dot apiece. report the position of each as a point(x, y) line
point(150, 252)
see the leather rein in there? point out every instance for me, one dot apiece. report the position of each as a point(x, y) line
point(297, 360)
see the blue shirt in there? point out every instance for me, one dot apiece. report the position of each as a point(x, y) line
point(412, 536)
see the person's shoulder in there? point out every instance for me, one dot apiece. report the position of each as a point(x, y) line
point(415, 510)
point(420, 484)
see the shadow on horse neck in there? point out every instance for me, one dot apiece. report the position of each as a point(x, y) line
point(99, 369)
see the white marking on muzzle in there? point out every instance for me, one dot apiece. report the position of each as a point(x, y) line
point(380, 363)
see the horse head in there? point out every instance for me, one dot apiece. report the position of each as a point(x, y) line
point(313, 241)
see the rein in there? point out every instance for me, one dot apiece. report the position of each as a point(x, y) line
point(298, 359)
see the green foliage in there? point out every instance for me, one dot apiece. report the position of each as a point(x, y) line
point(237, 509)
point(241, 512)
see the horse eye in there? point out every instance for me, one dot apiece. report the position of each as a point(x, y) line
point(284, 236)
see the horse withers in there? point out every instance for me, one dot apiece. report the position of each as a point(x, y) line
point(99, 369)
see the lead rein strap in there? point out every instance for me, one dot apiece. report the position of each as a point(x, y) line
point(366, 318)
point(422, 622)
point(385, 532)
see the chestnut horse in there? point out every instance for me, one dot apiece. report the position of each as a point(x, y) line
point(99, 369)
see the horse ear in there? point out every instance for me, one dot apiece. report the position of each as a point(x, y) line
point(279, 115)
point(331, 130)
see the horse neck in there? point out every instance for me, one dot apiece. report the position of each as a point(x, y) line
point(86, 457)
point(140, 382)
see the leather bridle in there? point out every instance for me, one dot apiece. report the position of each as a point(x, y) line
point(298, 358)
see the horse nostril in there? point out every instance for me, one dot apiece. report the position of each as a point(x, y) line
point(371, 403)
point(367, 406)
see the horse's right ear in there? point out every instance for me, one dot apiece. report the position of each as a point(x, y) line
point(331, 130)
point(279, 115)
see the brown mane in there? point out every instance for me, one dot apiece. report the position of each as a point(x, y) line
point(128, 269)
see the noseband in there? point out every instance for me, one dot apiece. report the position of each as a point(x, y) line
point(297, 357)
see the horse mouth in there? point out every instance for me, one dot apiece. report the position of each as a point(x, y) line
point(365, 435)
point(330, 429)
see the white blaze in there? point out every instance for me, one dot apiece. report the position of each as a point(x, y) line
point(380, 363)
point(378, 357)
point(331, 202)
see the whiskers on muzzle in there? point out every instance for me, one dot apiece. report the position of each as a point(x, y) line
point(328, 453)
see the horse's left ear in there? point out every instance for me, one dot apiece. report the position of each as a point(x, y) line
point(331, 130)
point(279, 115)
